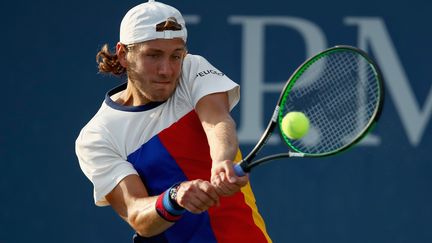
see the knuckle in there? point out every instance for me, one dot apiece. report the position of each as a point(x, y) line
point(196, 182)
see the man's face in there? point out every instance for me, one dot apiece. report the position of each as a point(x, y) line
point(155, 67)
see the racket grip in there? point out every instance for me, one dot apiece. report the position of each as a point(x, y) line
point(239, 170)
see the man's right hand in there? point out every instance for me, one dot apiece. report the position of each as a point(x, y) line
point(197, 196)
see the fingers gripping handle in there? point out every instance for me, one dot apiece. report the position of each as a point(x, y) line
point(239, 170)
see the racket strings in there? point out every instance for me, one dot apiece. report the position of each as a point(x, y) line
point(339, 94)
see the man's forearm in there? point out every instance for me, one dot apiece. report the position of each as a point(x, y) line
point(222, 140)
point(145, 220)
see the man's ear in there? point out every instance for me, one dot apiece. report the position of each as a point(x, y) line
point(186, 52)
point(121, 52)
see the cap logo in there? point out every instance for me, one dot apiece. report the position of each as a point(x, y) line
point(169, 24)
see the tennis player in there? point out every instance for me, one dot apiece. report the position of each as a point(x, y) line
point(160, 150)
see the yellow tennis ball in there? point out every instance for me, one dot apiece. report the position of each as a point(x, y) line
point(295, 125)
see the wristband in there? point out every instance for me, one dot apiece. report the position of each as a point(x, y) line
point(171, 200)
point(165, 207)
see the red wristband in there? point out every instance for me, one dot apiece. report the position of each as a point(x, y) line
point(163, 212)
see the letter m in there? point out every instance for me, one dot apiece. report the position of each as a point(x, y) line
point(373, 34)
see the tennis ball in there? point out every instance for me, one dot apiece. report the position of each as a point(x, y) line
point(295, 125)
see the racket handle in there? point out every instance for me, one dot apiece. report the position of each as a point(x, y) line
point(239, 170)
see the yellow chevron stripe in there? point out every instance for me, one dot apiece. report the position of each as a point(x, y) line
point(251, 202)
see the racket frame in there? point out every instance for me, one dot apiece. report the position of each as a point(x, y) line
point(247, 164)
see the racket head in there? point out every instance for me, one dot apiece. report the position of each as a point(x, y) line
point(341, 92)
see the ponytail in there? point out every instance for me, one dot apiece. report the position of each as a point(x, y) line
point(108, 62)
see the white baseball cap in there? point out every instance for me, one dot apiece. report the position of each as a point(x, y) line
point(140, 23)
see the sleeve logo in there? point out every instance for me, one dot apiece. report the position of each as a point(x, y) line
point(207, 72)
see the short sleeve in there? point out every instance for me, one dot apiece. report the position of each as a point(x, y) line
point(99, 161)
point(204, 79)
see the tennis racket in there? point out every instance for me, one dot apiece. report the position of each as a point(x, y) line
point(341, 92)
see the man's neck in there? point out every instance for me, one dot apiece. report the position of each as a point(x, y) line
point(131, 96)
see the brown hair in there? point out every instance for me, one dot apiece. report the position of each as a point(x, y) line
point(169, 24)
point(108, 62)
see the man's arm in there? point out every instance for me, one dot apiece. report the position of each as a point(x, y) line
point(131, 201)
point(213, 111)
